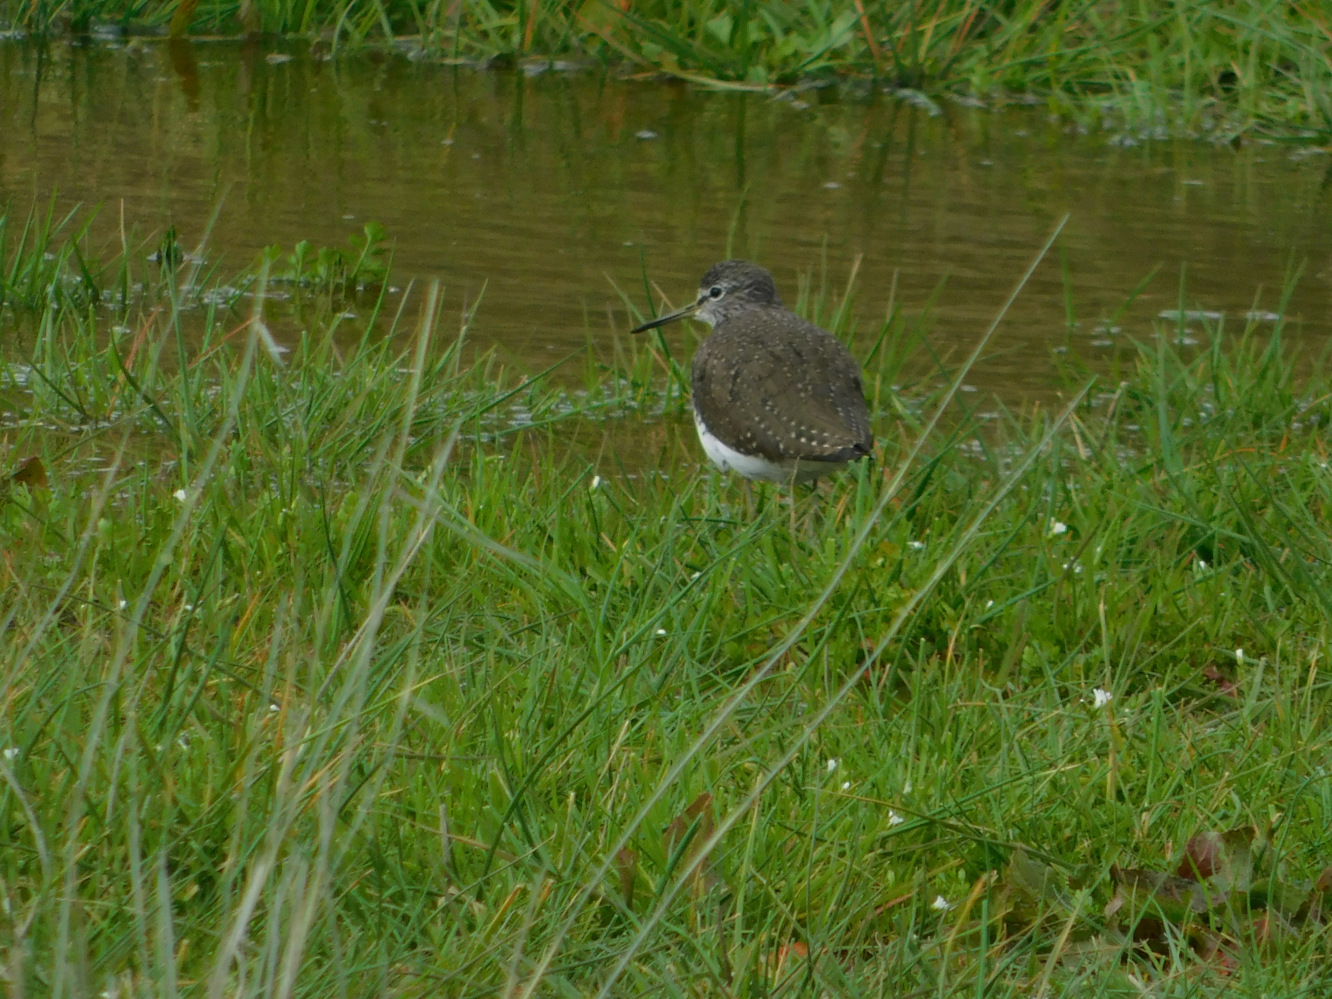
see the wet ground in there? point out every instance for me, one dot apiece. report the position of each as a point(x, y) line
point(550, 189)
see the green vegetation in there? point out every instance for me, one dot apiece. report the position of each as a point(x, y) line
point(346, 671)
point(1183, 66)
point(331, 268)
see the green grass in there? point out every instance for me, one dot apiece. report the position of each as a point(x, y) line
point(341, 672)
point(1215, 69)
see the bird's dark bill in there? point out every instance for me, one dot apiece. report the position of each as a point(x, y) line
point(668, 317)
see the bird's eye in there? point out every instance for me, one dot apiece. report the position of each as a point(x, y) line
point(715, 291)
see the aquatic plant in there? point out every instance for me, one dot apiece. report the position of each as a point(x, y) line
point(332, 268)
point(1167, 65)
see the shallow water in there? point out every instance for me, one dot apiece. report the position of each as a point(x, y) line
point(548, 190)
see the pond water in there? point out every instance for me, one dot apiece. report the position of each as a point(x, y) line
point(549, 189)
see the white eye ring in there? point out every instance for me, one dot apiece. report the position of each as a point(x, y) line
point(715, 291)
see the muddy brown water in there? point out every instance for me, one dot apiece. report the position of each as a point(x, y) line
point(549, 189)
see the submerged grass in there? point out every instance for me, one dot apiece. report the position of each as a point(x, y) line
point(1177, 66)
point(336, 672)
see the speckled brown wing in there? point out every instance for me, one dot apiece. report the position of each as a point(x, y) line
point(767, 383)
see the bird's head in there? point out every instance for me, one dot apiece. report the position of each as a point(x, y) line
point(729, 287)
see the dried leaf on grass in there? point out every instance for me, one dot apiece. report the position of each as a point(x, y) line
point(1226, 859)
point(31, 473)
point(1225, 894)
point(626, 865)
point(686, 833)
point(1223, 684)
point(1225, 897)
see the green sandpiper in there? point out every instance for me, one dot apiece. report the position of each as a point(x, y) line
point(775, 397)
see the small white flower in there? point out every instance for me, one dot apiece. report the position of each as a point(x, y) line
point(1202, 566)
point(273, 709)
point(906, 788)
point(894, 819)
point(1057, 527)
point(10, 753)
point(989, 604)
point(122, 605)
point(1239, 656)
point(832, 765)
point(1100, 698)
point(661, 632)
point(596, 481)
point(180, 494)
point(940, 903)
point(846, 785)
point(916, 545)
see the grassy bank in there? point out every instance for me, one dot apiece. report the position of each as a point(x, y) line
point(338, 672)
point(1161, 65)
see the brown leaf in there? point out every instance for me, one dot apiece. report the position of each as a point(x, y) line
point(1212, 948)
point(1224, 686)
point(626, 863)
point(794, 951)
point(700, 812)
point(689, 830)
point(1225, 858)
point(31, 473)
point(1314, 907)
point(1202, 856)
point(1324, 882)
point(1268, 930)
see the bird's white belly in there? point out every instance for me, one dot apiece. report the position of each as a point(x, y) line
point(728, 459)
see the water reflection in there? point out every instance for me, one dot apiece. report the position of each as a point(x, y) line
point(544, 189)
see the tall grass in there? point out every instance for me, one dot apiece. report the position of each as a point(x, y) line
point(1174, 65)
point(340, 672)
